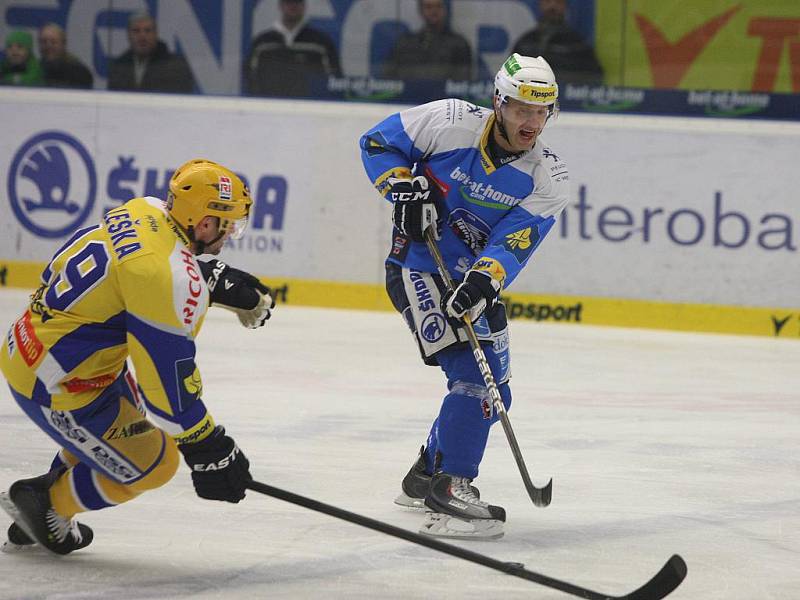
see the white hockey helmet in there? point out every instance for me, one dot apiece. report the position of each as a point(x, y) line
point(529, 80)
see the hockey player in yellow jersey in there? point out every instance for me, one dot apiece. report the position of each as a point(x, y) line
point(129, 287)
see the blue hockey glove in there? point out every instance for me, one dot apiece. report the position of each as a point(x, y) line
point(414, 207)
point(220, 471)
point(475, 294)
point(238, 291)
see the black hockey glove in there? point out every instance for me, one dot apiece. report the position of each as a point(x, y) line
point(475, 294)
point(414, 207)
point(220, 471)
point(239, 292)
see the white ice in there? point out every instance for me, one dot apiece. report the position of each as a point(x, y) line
point(657, 442)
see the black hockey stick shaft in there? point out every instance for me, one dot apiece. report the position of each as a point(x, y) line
point(540, 496)
point(662, 584)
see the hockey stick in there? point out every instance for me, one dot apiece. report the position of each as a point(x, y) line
point(659, 586)
point(540, 496)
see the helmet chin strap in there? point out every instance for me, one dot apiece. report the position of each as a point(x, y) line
point(199, 245)
point(215, 240)
point(501, 126)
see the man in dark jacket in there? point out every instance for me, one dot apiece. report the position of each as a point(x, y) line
point(433, 52)
point(61, 69)
point(284, 59)
point(564, 49)
point(149, 66)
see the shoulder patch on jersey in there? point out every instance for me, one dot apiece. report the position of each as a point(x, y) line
point(187, 379)
point(375, 144)
point(547, 153)
point(382, 182)
point(521, 243)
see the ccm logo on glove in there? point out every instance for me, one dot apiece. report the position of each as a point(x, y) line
point(414, 207)
point(401, 195)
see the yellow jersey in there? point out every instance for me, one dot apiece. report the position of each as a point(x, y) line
point(126, 287)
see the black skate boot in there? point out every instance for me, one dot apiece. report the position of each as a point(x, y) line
point(28, 503)
point(17, 540)
point(454, 511)
point(416, 484)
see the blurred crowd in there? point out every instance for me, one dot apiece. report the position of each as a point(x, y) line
point(287, 57)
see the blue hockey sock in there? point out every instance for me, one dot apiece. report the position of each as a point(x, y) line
point(462, 428)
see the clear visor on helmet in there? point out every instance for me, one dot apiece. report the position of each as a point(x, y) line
point(236, 228)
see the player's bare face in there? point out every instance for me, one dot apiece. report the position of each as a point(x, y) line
point(523, 123)
point(208, 231)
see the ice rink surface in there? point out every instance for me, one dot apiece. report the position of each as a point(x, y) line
point(657, 442)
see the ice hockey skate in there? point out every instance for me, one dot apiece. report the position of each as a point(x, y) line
point(35, 520)
point(455, 511)
point(18, 540)
point(416, 483)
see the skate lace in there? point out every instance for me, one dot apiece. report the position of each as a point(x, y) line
point(461, 489)
point(60, 527)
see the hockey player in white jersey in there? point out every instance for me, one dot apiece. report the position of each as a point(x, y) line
point(492, 190)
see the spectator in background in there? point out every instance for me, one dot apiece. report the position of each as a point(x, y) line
point(433, 52)
point(61, 69)
point(149, 66)
point(285, 58)
point(572, 59)
point(19, 66)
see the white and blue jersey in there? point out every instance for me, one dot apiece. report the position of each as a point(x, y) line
point(493, 216)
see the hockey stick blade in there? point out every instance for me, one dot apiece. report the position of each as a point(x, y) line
point(540, 496)
point(661, 585)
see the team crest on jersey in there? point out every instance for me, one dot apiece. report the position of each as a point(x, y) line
point(547, 153)
point(521, 243)
point(225, 188)
point(471, 230)
point(190, 386)
point(375, 144)
point(193, 383)
point(433, 327)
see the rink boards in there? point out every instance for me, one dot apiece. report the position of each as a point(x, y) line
point(686, 224)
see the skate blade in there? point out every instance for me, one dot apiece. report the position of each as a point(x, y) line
point(408, 502)
point(10, 547)
point(12, 511)
point(448, 526)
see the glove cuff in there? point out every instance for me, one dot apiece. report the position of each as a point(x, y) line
point(488, 285)
point(212, 441)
